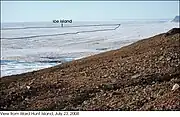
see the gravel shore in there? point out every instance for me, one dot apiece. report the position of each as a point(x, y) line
point(136, 77)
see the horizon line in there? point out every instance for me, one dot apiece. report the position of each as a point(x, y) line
point(88, 20)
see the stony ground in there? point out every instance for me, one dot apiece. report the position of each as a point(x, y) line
point(136, 77)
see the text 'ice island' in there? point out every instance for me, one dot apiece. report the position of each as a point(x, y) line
point(62, 21)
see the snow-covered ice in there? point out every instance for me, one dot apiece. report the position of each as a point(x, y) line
point(28, 54)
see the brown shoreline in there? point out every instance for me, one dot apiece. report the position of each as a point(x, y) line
point(136, 77)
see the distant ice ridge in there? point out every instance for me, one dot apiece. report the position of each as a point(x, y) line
point(176, 19)
point(38, 53)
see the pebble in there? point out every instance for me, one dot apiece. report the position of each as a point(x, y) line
point(85, 102)
point(136, 87)
point(136, 75)
point(104, 94)
point(168, 58)
point(175, 87)
point(174, 80)
point(28, 87)
point(26, 99)
point(161, 57)
point(113, 81)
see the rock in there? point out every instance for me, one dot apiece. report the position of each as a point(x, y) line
point(136, 87)
point(111, 95)
point(175, 87)
point(161, 57)
point(105, 76)
point(85, 102)
point(174, 80)
point(135, 76)
point(108, 87)
point(26, 99)
point(28, 87)
point(113, 80)
point(168, 58)
point(105, 94)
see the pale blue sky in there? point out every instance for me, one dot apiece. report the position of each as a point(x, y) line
point(86, 11)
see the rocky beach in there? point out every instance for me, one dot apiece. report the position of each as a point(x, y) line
point(142, 76)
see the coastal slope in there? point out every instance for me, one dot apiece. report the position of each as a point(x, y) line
point(135, 77)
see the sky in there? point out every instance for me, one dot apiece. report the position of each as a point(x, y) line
point(31, 11)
